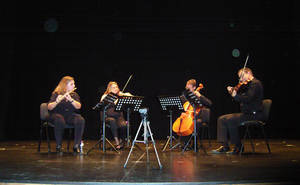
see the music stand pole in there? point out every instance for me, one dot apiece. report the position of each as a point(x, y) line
point(128, 127)
point(171, 132)
point(195, 130)
point(103, 129)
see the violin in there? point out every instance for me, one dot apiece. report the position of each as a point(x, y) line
point(239, 85)
point(184, 125)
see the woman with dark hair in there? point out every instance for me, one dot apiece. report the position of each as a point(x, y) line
point(63, 107)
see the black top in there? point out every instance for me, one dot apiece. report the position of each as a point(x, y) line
point(64, 108)
point(251, 98)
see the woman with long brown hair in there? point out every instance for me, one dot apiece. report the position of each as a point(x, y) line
point(115, 119)
point(63, 106)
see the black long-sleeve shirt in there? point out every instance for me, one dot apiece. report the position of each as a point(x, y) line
point(251, 99)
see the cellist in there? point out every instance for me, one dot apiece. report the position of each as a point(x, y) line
point(191, 86)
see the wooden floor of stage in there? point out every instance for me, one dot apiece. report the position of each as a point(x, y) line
point(21, 163)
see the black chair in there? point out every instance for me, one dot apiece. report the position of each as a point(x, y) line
point(203, 125)
point(258, 123)
point(45, 124)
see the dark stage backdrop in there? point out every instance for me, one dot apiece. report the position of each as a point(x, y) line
point(162, 43)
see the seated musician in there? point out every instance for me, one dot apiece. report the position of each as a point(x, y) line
point(250, 100)
point(206, 103)
point(114, 118)
point(63, 107)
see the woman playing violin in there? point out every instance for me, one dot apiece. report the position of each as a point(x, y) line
point(250, 100)
point(115, 119)
point(63, 107)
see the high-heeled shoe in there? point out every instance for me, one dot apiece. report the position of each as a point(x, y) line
point(119, 146)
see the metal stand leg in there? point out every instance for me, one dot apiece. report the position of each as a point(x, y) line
point(103, 143)
point(170, 137)
point(147, 129)
point(103, 138)
point(128, 127)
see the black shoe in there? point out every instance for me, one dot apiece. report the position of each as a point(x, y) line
point(236, 150)
point(76, 150)
point(220, 150)
point(58, 149)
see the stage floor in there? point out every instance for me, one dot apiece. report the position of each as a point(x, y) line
point(21, 163)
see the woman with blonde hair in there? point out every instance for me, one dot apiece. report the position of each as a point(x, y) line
point(63, 106)
point(115, 119)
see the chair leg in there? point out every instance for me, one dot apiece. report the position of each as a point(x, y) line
point(243, 142)
point(251, 140)
point(208, 136)
point(48, 140)
point(203, 133)
point(40, 139)
point(266, 139)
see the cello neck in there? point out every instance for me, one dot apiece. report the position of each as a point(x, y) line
point(200, 87)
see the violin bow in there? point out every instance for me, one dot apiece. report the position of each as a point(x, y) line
point(127, 82)
point(244, 67)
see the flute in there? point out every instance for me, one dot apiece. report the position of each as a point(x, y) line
point(67, 93)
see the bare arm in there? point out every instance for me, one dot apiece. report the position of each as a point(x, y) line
point(75, 103)
point(53, 104)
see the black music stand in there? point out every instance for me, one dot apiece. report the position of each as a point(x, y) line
point(170, 104)
point(103, 105)
point(195, 102)
point(129, 103)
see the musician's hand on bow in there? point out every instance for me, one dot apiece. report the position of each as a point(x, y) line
point(125, 94)
point(231, 91)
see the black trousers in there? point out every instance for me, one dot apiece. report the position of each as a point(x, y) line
point(117, 130)
point(228, 126)
point(60, 123)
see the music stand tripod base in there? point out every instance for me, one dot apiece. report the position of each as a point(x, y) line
point(110, 98)
point(170, 103)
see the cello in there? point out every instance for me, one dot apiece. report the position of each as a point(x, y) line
point(184, 125)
